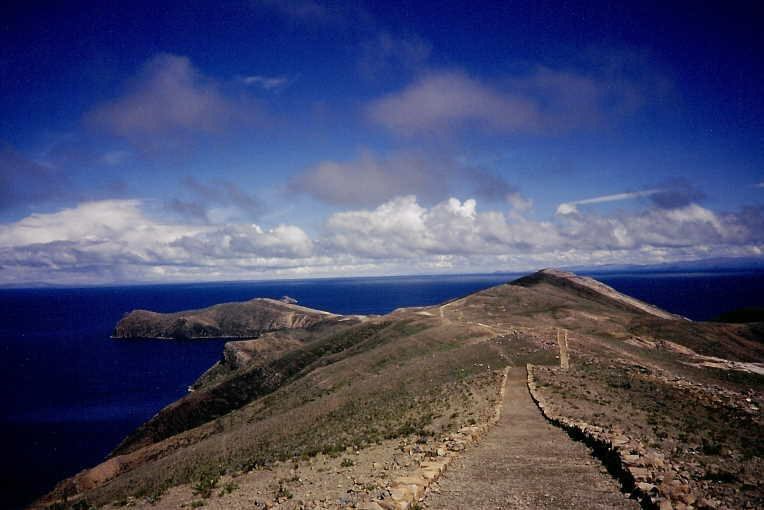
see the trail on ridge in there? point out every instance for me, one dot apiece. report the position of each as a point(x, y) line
point(526, 463)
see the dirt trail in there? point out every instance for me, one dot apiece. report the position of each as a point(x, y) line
point(526, 463)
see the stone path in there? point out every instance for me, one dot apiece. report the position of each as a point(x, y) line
point(526, 463)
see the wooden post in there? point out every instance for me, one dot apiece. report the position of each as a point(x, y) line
point(562, 341)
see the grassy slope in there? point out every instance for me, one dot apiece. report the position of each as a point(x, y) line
point(378, 380)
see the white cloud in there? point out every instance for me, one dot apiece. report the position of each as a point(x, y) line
point(403, 228)
point(571, 207)
point(104, 236)
point(118, 240)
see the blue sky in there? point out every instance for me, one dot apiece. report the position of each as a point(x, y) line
point(272, 139)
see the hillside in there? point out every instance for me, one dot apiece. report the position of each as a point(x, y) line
point(229, 320)
point(310, 407)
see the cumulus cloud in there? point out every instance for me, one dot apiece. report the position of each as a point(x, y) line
point(117, 240)
point(168, 97)
point(371, 179)
point(544, 100)
point(403, 228)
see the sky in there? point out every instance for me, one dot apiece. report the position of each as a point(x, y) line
point(163, 141)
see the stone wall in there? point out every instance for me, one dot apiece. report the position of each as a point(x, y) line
point(646, 475)
point(405, 492)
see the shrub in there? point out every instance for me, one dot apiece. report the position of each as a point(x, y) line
point(229, 488)
point(206, 485)
point(283, 492)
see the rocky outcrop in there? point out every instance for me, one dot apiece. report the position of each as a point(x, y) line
point(230, 320)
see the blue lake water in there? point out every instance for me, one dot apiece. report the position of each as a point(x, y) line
point(69, 394)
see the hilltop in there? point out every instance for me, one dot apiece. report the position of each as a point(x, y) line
point(329, 409)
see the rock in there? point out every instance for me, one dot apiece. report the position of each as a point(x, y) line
point(414, 485)
point(655, 459)
point(647, 488)
point(640, 473)
point(456, 447)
